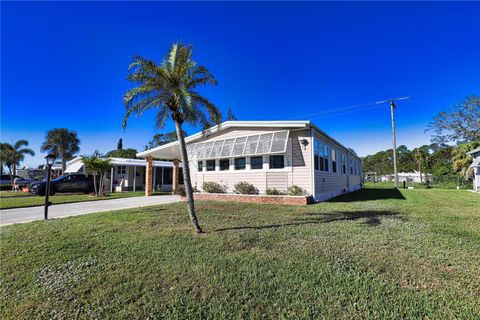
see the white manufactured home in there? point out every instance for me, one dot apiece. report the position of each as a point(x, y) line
point(475, 154)
point(268, 154)
point(130, 174)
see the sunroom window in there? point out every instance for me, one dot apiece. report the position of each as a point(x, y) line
point(256, 163)
point(224, 164)
point(277, 162)
point(240, 163)
point(210, 165)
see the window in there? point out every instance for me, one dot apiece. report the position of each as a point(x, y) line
point(256, 163)
point(240, 163)
point(121, 169)
point(334, 161)
point(344, 164)
point(351, 167)
point(210, 165)
point(277, 162)
point(321, 156)
point(200, 166)
point(224, 164)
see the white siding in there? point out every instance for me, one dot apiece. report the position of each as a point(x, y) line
point(297, 169)
point(329, 184)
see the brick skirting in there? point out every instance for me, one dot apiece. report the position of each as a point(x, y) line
point(253, 198)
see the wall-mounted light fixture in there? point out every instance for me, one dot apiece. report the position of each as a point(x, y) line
point(304, 143)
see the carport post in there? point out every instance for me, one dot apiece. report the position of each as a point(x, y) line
point(134, 178)
point(154, 177)
point(111, 180)
point(148, 176)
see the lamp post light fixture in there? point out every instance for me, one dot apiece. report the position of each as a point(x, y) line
point(50, 158)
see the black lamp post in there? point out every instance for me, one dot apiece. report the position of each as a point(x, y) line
point(50, 160)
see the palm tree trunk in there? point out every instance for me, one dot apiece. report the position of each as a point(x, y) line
point(64, 165)
point(186, 178)
point(95, 183)
point(420, 171)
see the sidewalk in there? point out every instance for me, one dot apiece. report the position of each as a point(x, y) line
point(22, 215)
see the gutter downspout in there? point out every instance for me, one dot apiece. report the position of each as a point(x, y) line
point(312, 161)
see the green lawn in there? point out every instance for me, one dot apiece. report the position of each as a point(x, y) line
point(374, 254)
point(10, 199)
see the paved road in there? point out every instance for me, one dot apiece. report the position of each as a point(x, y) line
point(21, 215)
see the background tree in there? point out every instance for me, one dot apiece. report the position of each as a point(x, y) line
point(230, 115)
point(461, 125)
point(13, 154)
point(63, 143)
point(120, 144)
point(98, 167)
point(129, 153)
point(170, 88)
point(421, 156)
point(159, 139)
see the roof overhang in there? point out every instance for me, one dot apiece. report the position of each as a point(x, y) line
point(171, 150)
point(475, 163)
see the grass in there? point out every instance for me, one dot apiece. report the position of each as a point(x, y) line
point(374, 254)
point(9, 200)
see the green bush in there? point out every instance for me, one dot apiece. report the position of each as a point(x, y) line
point(295, 190)
point(181, 192)
point(275, 192)
point(213, 187)
point(244, 187)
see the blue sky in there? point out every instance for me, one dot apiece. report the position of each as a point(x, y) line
point(64, 65)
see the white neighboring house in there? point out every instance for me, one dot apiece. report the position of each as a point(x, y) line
point(268, 154)
point(129, 174)
point(407, 177)
point(475, 154)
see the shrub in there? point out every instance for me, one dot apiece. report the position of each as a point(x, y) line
point(181, 192)
point(213, 187)
point(243, 187)
point(275, 192)
point(295, 191)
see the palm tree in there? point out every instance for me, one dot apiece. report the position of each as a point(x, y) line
point(170, 88)
point(63, 143)
point(421, 158)
point(461, 161)
point(13, 154)
point(99, 167)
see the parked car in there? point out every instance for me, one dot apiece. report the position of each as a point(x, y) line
point(69, 183)
point(5, 181)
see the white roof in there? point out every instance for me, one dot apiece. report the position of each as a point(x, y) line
point(76, 164)
point(171, 150)
point(475, 163)
point(74, 167)
point(474, 151)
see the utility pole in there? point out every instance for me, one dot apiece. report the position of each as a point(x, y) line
point(394, 137)
point(394, 140)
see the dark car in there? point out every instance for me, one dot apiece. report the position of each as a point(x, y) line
point(70, 183)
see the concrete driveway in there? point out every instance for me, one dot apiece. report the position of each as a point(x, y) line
point(21, 215)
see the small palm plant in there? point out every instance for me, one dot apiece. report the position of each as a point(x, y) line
point(99, 167)
point(170, 88)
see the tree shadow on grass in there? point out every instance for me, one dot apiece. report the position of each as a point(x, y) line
point(372, 219)
point(369, 194)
